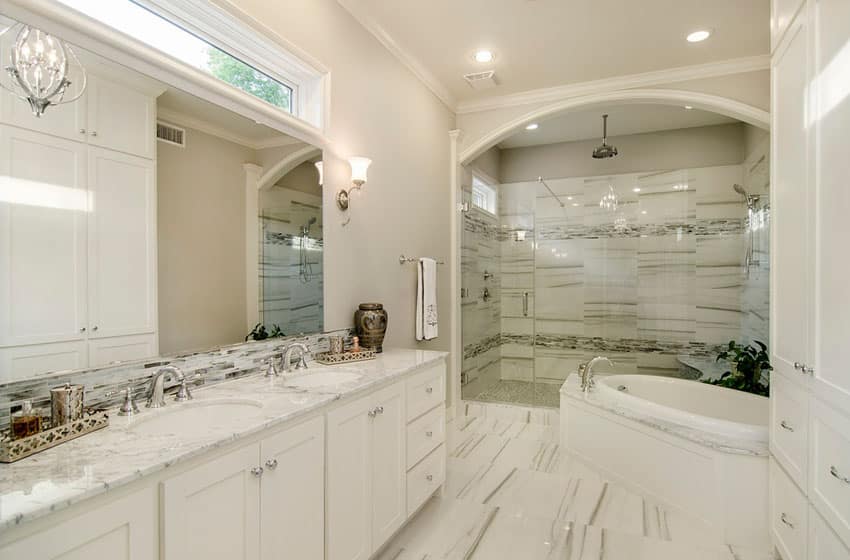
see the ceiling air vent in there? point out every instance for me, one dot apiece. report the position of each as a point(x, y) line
point(170, 134)
point(481, 80)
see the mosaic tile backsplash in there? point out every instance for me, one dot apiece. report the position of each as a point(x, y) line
point(662, 277)
point(104, 386)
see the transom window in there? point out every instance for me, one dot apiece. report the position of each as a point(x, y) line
point(154, 30)
point(483, 195)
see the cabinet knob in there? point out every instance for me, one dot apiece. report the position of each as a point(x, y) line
point(429, 433)
point(82, 329)
point(379, 410)
point(257, 471)
point(786, 426)
point(372, 413)
point(94, 328)
point(798, 366)
point(82, 131)
point(429, 478)
point(271, 464)
point(784, 519)
point(834, 472)
point(808, 370)
point(94, 133)
point(429, 390)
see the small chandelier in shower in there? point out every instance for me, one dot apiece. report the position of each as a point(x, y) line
point(610, 201)
point(605, 150)
point(39, 65)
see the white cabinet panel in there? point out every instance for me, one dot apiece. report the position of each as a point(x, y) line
point(829, 466)
point(121, 118)
point(789, 427)
point(19, 362)
point(43, 212)
point(424, 479)
point(293, 493)
point(103, 351)
point(424, 434)
point(425, 390)
point(349, 513)
point(213, 511)
point(832, 113)
point(389, 463)
point(788, 515)
point(122, 244)
point(792, 246)
point(122, 530)
point(823, 543)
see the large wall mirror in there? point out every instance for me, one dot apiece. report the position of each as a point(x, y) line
point(143, 221)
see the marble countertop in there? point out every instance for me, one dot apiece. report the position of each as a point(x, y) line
point(117, 455)
point(572, 389)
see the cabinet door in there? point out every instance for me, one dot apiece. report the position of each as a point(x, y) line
point(213, 511)
point(122, 244)
point(43, 209)
point(823, 542)
point(121, 530)
point(121, 118)
point(791, 279)
point(349, 482)
point(832, 377)
point(19, 362)
point(293, 498)
point(103, 351)
point(389, 463)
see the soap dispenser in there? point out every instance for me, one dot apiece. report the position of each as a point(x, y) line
point(26, 422)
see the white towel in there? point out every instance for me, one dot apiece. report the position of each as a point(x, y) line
point(426, 300)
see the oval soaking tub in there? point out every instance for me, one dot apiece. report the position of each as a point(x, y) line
point(712, 409)
point(698, 449)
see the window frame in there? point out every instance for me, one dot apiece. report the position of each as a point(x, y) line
point(492, 194)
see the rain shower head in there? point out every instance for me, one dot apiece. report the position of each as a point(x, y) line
point(604, 151)
point(305, 229)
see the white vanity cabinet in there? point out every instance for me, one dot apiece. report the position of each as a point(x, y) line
point(124, 529)
point(810, 395)
point(262, 501)
point(366, 473)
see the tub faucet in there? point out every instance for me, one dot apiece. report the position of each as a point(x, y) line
point(287, 356)
point(156, 396)
point(586, 372)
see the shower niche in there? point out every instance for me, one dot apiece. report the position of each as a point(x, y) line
point(291, 253)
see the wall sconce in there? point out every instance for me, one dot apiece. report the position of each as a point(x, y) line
point(319, 167)
point(359, 167)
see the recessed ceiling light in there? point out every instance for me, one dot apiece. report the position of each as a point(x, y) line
point(636, 189)
point(532, 126)
point(689, 107)
point(698, 36)
point(569, 198)
point(575, 203)
point(483, 56)
point(643, 211)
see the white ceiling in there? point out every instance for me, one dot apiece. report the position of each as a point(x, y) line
point(547, 43)
point(622, 120)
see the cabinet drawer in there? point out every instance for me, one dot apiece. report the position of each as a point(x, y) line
point(424, 434)
point(829, 466)
point(424, 478)
point(426, 390)
point(788, 511)
point(789, 427)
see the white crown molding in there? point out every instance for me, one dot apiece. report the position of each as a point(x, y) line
point(645, 79)
point(182, 119)
point(411, 62)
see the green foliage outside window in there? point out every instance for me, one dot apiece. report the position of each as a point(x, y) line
point(236, 73)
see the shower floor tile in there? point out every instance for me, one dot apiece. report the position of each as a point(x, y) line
point(521, 392)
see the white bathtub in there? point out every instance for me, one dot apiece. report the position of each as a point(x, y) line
point(714, 410)
point(694, 448)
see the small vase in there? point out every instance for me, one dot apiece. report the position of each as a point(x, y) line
point(370, 321)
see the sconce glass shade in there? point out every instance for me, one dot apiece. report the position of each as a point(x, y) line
point(39, 64)
point(359, 167)
point(319, 167)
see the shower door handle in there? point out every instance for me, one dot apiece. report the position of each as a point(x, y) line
point(525, 304)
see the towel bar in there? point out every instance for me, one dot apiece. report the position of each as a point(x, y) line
point(403, 259)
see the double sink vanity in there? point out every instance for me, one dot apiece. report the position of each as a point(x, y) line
point(323, 462)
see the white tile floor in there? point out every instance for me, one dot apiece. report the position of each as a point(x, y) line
point(512, 494)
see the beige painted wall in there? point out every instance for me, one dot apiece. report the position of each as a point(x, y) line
point(671, 149)
point(380, 110)
point(201, 238)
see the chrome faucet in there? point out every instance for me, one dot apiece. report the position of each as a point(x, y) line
point(586, 372)
point(271, 370)
point(156, 395)
point(287, 356)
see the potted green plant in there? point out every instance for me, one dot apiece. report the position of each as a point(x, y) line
point(749, 368)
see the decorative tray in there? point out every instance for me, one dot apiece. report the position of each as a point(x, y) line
point(345, 358)
point(13, 450)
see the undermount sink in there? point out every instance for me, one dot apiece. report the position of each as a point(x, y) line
point(322, 379)
point(198, 417)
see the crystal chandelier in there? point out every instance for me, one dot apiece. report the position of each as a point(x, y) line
point(39, 66)
point(609, 200)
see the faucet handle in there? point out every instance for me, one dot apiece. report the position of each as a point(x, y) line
point(183, 393)
point(271, 370)
point(302, 362)
point(128, 407)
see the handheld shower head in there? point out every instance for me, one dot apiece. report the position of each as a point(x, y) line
point(750, 199)
point(739, 189)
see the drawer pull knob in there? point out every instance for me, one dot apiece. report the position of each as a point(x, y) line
point(257, 471)
point(834, 472)
point(379, 410)
point(429, 478)
point(429, 390)
point(785, 426)
point(372, 413)
point(798, 365)
point(784, 519)
point(271, 464)
point(429, 433)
